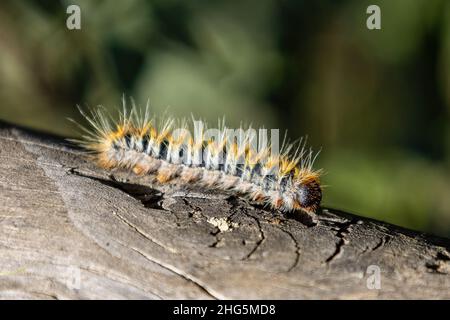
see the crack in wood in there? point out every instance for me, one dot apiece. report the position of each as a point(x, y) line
point(237, 207)
point(297, 248)
point(262, 236)
point(143, 234)
point(342, 231)
point(48, 295)
point(196, 209)
point(209, 292)
point(382, 242)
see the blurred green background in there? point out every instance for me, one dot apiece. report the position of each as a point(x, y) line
point(376, 101)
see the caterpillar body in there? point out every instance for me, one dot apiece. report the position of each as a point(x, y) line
point(136, 142)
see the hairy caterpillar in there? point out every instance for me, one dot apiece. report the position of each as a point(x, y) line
point(136, 142)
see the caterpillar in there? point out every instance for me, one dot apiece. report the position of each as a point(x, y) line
point(284, 181)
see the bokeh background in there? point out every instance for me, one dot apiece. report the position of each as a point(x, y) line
point(376, 101)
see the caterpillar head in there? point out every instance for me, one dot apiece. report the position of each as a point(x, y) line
point(308, 195)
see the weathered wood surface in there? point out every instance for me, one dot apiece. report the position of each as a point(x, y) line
point(70, 230)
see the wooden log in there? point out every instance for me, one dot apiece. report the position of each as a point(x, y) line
point(71, 230)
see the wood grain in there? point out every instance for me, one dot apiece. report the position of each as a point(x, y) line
point(69, 230)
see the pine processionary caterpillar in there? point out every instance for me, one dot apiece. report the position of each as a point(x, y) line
point(136, 142)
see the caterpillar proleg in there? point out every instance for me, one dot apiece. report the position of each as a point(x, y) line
point(169, 153)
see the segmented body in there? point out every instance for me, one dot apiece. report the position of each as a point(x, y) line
point(281, 181)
